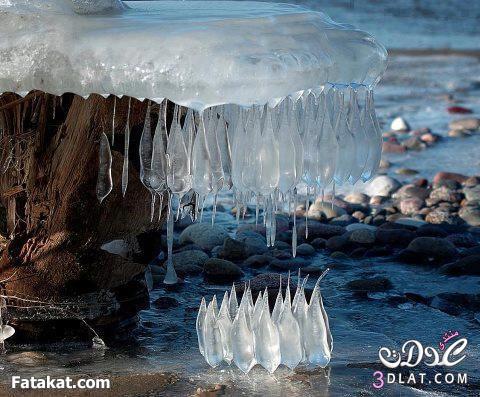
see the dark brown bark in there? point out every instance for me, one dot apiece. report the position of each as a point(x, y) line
point(49, 148)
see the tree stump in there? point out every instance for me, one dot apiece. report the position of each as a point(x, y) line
point(55, 224)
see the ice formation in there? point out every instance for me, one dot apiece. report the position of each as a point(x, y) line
point(266, 96)
point(294, 333)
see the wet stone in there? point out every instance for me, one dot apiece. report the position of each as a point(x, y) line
point(165, 302)
point(221, 270)
point(469, 265)
point(375, 284)
point(305, 250)
point(257, 261)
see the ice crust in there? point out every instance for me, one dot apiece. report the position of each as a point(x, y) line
point(195, 53)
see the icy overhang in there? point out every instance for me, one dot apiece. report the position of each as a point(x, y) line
point(195, 53)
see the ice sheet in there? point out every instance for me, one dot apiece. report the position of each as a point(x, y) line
point(196, 53)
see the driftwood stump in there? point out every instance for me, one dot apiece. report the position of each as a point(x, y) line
point(55, 226)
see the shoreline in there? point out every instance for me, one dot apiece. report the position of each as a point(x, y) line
point(474, 53)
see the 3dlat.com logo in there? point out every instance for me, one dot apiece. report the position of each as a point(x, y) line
point(413, 353)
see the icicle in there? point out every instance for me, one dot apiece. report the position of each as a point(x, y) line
point(307, 207)
point(125, 151)
point(294, 231)
point(233, 302)
point(202, 170)
point(212, 338)
point(225, 325)
point(242, 342)
point(257, 209)
point(267, 341)
point(113, 119)
point(315, 332)
point(257, 310)
point(202, 312)
point(214, 208)
point(160, 209)
point(277, 308)
point(104, 181)
point(171, 275)
point(289, 334)
point(333, 195)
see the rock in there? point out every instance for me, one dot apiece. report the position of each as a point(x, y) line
point(444, 193)
point(366, 285)
point(392, 147)
point(395, 237)
point(471, 251)
point(337, 243)
point(321, 211)
point(359, 215)
point(357, 198)
point(429, 230)
point(410, 222)
point(343, 220)
point(271, 281)
point(382, 185)
point(305, 250)
point(469, 265)
point(189, 263)
point(339, 255)
point(318, 243)
point(377, 200)
point(257, 261)
point(472, 193)
point(435, 248)
point(411, 191)
point(316, 268)
point(451, 176)
point(399, 124)
point(360, 226)
point(204, 235)
point(233, 250)
point(430, 138)
point(292, 264)
point(255, 243)
point(165, 302)
point(384, 163)
point(317, 229)
point(28, 359)
point(439, 215)
point(455, 303)
point(281, 245)
point(459, 110)
point(470, 123)
point(221, 270)
point(362, 236)
point(463, 240)
point(414, 143)
point(378, 251)
point(411, 206)
point(472, 181)
point(459, 133)
point(406, 171)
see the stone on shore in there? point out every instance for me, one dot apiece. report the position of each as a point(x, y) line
point(399, 124)
point(204, 235)
point(382, 185)
point(435, 248)
point(189, 263)
point(470, 123)
point(221, 270)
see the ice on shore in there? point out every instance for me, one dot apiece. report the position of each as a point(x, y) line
point(195, 53)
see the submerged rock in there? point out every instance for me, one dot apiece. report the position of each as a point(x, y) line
point(374, 284)
point(469, 265)
point(305, 250)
